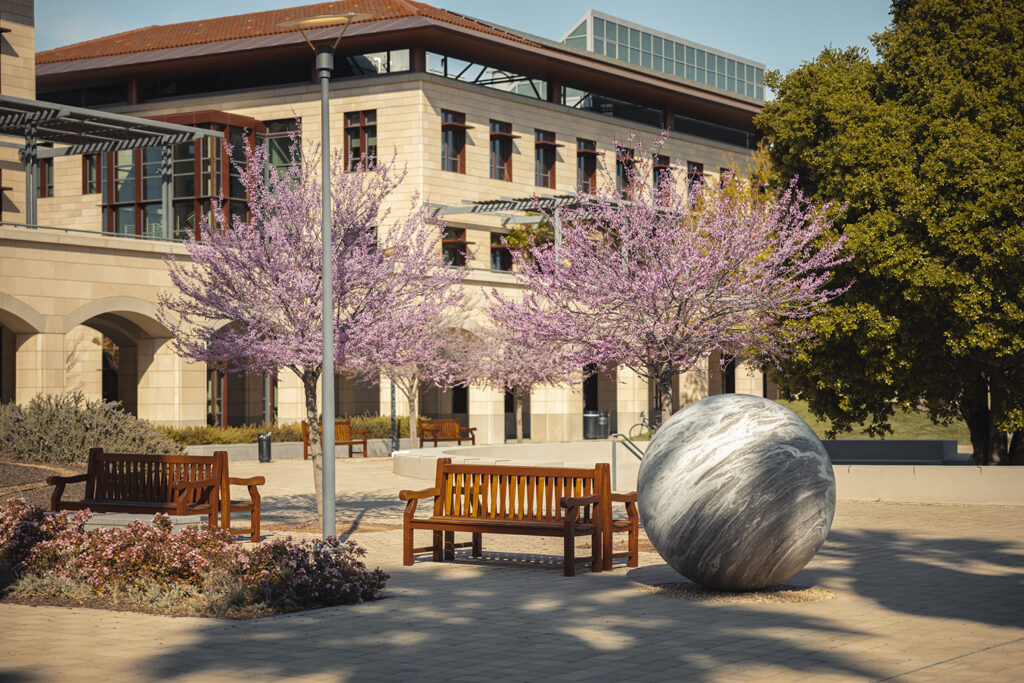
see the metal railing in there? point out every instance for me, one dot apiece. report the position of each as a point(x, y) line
point(630, 445)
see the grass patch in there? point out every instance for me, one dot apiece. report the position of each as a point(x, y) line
point(904, 426)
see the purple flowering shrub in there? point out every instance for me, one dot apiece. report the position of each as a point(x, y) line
point(152, 564)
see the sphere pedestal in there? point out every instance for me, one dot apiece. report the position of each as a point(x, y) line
point(736, 492)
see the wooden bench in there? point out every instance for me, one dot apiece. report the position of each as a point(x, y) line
point(444, 430)
point(173, 484)
point(533, 501)
point(129, 482)
point(344, 435)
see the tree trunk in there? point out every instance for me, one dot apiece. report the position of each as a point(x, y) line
point(980, 408)
point(661, 376)
point(517, 408)
point(309, 378)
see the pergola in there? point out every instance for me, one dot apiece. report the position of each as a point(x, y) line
point(54, 130)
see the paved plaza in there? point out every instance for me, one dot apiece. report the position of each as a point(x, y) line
point(923, 593)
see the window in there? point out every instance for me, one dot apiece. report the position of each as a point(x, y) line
point(90, 174)
point(623, 168)
point(661, 170)
point(45, 178)
point(278, 143)
point(544, 153)
point(360, 138)
point(586, 165)
point(453, 141)
point(724, 176)
point(501, 257)
point(132, 183)
point(501, 150)
point(694, 174)
point(454, 246)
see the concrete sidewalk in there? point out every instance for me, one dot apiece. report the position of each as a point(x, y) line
point(923, 592)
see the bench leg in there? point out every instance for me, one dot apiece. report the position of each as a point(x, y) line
point(438, 546)
point(254, 526)
point(569, 556)
point(596, 562)
point(406, 545)
point(449, 545)
point(478, 544)
point(634, 547)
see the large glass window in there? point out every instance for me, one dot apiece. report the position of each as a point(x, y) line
point(45, 178)
point(501, 150)
point(544, 153)
point(453, 141)
point(90, 173)
point(132, 184)
point(360, 138)
point(694, 174)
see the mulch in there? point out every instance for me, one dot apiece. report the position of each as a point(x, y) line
point(28, 481)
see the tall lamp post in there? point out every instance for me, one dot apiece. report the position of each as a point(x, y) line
point(325, 65)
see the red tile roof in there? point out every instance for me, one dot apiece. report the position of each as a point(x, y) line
point(252, 25)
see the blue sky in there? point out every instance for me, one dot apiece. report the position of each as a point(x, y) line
point(780, 33)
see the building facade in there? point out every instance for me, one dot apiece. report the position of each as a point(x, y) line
point(475, 112)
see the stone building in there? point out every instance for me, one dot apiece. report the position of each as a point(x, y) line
point(476, 112)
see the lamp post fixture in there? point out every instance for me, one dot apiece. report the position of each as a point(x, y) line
point(325, 65)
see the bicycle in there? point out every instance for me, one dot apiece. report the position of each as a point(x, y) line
point(644, 427)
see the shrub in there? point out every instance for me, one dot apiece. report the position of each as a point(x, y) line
point(62, 428)
point(199, 436)
point(195, 571)
point(376, 426)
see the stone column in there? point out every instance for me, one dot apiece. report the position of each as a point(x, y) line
point(487, 414)
point(39, 365)
point(630, 398)
point(169, 389)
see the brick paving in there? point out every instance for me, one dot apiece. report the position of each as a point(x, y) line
point(923, 593)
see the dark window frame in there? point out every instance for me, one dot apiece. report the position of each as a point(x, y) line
point(586, 165)
point(501, 256)
point(544, 145)
point(453, 141)
point(360, 130)
point(45, 178)
point(454, 246)
point(694, 174)
point(91, 173)
point(501, 150)
point(623, 162)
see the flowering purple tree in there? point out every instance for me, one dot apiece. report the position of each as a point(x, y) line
point(503, 360)
point(424, 345)
point(655, 278)
point(250, 296)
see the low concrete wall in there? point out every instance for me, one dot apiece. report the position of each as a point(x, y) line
point(894, 452)
point(286, 450)
point(968, 485)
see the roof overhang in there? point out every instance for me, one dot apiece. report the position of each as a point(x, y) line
point(516, 52)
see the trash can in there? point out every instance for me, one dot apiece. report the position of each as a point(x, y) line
point(263, 445)
point(603, 425)
point(591, 426)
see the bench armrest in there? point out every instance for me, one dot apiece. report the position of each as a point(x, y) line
point(469, 430)
point(567, 501)
point(406, 494)
point(248, 481)
point(359, 433)
point(624, 497)
point(59, 483)
point(414, 498)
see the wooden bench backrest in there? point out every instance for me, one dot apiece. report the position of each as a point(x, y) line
point(507, 492)
point(130, 477)
point(441, 429)
point(342, 431)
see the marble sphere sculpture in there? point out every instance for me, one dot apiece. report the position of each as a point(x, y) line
point(736, 492)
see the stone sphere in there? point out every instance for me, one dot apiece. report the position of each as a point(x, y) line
point(736, 492)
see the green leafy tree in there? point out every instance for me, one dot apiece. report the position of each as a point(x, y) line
point(925, 146)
